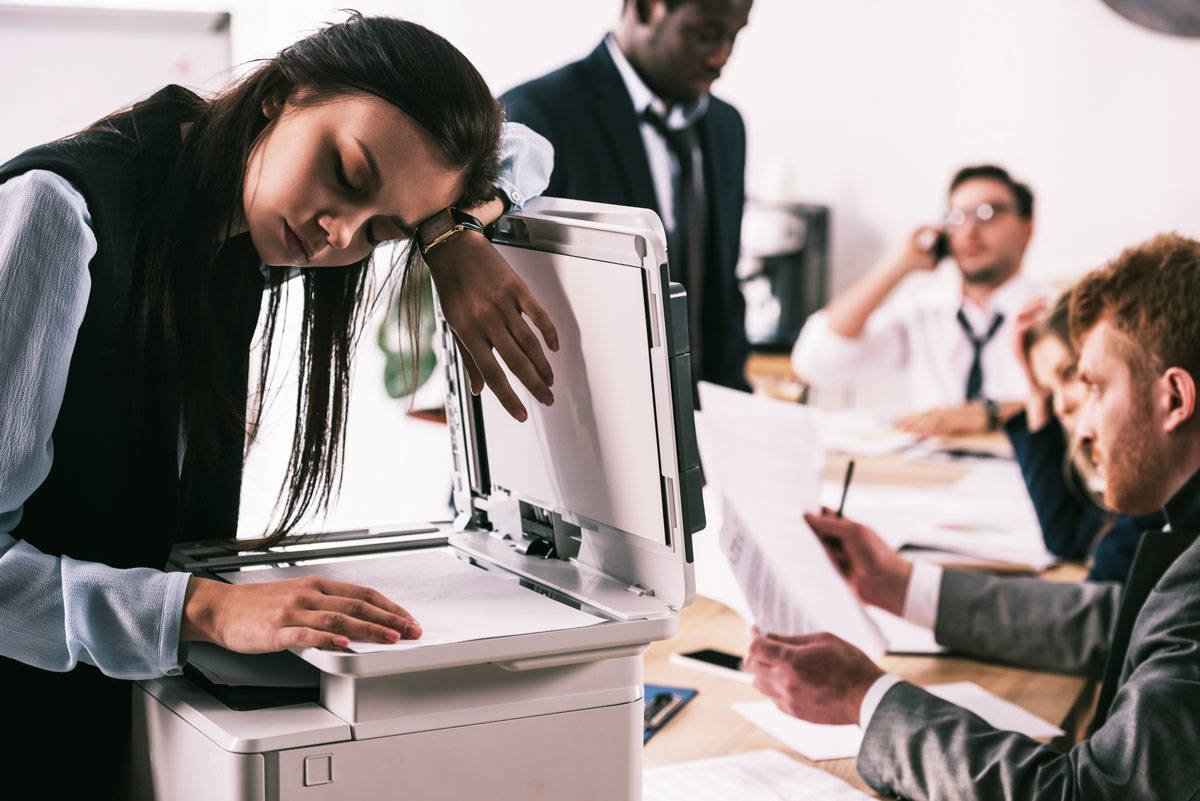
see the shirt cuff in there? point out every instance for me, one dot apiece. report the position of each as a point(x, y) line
point(172, 653)
point(874, 695)
point(924, 592)
point(526, 161)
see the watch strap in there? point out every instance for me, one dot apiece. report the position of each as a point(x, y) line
point(993, 414)
point(444, 226)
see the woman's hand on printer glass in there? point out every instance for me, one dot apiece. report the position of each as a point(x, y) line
point(486, 305)
point(305, 612)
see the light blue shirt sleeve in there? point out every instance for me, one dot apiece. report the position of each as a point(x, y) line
point(526, 161)
point(58, 611)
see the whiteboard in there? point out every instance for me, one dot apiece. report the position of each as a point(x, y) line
point(67, 67)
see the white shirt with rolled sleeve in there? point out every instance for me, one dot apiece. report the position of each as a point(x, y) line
point(917, 331)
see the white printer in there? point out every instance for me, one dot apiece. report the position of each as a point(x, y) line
point(587, 508)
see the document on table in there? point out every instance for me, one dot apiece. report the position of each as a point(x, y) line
point(765, 775)
point(766, 457)
point(986, 515)
point(819, 741)
point(453, 600)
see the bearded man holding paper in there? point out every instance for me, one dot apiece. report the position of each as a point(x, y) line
point(1139, 340)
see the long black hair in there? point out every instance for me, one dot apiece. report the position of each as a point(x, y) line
point(189, 294)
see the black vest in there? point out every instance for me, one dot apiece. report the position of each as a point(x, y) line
point(113, 494)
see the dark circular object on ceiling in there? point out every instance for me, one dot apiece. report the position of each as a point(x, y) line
point(1178, 17)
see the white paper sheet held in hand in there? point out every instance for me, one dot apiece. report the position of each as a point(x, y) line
point(765, 775)
point(453, 600)
point(766, 457)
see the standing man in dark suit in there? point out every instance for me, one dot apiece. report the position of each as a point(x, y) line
point(1138, 336)
point(634, 124)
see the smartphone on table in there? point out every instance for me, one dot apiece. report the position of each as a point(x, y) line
point(719, 663)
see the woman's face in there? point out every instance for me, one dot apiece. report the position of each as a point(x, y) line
point(327, 182)
point(1053, 365)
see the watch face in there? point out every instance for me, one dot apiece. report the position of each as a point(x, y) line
point(435, 226)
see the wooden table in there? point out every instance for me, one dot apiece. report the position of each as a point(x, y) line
point(708, 727)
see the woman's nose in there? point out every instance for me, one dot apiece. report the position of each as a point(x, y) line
point(338, 232)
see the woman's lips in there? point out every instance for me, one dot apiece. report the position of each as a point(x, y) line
point(295, 245)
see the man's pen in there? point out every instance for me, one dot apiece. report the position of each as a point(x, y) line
point(846, 486)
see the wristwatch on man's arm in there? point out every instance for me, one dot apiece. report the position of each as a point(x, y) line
point(994, 417)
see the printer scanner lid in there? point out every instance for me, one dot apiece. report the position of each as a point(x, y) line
point(602, 488)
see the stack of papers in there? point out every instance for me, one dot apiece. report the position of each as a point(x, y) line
point(819, 742)
point(765, 775)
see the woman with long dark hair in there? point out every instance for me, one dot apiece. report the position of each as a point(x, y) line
point(134, 260)
point(1059, 478)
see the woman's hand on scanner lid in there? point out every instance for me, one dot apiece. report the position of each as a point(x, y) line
point(486, 304)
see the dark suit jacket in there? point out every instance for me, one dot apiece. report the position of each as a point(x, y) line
point(1069, 523)
point(586, 113)
point(1145, 635)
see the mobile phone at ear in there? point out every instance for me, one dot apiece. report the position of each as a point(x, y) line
point(719, 663)
point(940, 248)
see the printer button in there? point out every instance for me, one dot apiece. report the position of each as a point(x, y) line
point(318, 769)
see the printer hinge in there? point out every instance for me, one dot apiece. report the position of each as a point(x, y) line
point(640, 591)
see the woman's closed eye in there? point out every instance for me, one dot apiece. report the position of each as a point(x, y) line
point(339, 171)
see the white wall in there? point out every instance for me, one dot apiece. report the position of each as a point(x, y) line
point(870, 105)
point(866, 105)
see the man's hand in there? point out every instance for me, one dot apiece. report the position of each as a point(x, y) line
point(849, 311)
point(486, 304)
point(916, 253)
point(307, 612)
point(970, 418)
point(818, 677)
point(878, 575)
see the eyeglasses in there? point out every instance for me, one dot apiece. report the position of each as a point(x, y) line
point(983, 213)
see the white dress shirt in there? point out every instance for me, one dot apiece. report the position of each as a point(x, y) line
point(664, 166)
point(917, 331)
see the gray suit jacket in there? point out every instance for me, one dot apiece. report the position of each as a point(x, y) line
point(1147, 740)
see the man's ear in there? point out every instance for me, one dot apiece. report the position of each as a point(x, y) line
point(1179, 387)
point(644, 10)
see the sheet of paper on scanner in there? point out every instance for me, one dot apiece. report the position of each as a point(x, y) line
point(453, 600)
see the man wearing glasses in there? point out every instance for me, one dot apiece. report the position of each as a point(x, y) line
point(953, 337)
point(634, 124)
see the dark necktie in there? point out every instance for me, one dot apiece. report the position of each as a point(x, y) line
point(686, 241)
point(975, 376)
